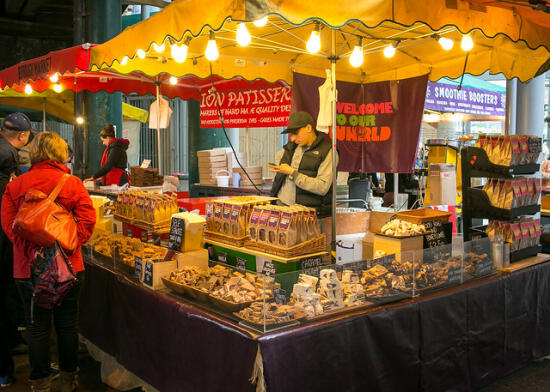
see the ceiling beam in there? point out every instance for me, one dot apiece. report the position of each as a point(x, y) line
point(154, 3)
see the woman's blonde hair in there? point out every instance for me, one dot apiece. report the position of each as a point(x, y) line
point(48, 146)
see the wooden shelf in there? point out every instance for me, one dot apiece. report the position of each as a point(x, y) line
point(528, 262)
point(280, 259)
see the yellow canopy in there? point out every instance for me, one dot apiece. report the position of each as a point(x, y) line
point(60, 105)
point(515, 44)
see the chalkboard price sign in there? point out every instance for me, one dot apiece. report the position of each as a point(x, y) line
point(454, 275)
point(485, 267)
point(222, 257)
point(138, 268)
point(436, 237)
point(311, 262)
point(177, 228)
point(269, 268)
point(148, 274)
point(279, 296)
point(240, 265)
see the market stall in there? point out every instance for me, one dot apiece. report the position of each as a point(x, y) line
point(413, 263)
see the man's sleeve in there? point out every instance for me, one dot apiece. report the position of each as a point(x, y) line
point(320, 184)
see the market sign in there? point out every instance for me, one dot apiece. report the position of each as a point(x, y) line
point(254, 107)
point(447, 98)
point(377, 124)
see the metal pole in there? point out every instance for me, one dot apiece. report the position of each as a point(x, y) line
point(334, 141)
point(511, 107)
point(44, 114)
point(158, 130)
point(395, 191)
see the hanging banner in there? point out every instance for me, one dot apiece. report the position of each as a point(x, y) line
point(378, 124)
point(253, 107)
point(447, 98)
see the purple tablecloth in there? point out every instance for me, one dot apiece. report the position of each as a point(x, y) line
point(459, 339)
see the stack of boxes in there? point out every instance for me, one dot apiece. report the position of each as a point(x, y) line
point(149, 176)
point(219, 161)
point(255, 174)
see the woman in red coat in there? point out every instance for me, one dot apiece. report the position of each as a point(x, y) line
point(114, 159)
point(48, 152)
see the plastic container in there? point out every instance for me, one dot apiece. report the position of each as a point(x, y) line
point(222, 180)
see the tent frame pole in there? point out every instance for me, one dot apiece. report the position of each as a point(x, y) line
point(159, 161)
point(334, 142)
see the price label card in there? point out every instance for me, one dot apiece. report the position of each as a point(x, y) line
point(311, 262)
point(146, 163)
point(175, 240)
point(222, 257)
point(241, 265)
point(454, 275)
point(484, 268)
point(148, 274)
point(138, 268)
point(535, 144)
point(437, 235)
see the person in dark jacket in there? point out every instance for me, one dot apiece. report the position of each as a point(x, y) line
point(14, 135)
point(304, 172)
point(114, 160)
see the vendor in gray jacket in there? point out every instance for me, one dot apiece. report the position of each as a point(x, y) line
point(304, 170)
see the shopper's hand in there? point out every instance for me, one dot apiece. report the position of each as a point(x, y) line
point(284, 168)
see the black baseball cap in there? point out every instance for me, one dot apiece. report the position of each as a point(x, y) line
point(298, 120)
point(18, 122)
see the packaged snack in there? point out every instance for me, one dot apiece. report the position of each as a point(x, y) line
point(501, 193)
point(516, 151)
point(517, 193)
point(495, 151)
point(524, 148)
point(505, 151)
point(525, 239)
point(237, 221)
point(516, 236)
point(538, 186)
point(524, 191)
point(262, 224)
point(288, 232)
point(530, 191)
point(217, 217)
point(481, 141)
point(508, 195)
point(253, 223)
point(209, 211)
point(532, 233)
point(491, 229)
point(536, 223)
point(488, 188)
point(226, 218)
point(273, 226)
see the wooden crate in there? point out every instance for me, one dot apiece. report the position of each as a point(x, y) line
point(423, 215)
point(397, 246)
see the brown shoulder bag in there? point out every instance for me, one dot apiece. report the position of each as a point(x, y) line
point(43, 221)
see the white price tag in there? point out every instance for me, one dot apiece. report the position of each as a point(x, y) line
point(146, 163)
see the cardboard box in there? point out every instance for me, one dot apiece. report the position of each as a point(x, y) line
point(252, 171)
point(197, 258)
point(212, 158)
point(211, 153)
point(405, 249)
point(442, 184)
point(352, 222)
point(153, 271)
point(212, 165)
point(368, 246)
point(379, 219)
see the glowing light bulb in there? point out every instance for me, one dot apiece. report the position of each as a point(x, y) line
point(211, 51)
point(356, 58)
point(54, 78)
point(124, 60)
point(467, 43)
point(179, 52)
point(173, 80)
point(446, 43)
point(28, 89)
point(141, 53)
point(57, 88)
point(314, 42)
point(80, 120)
point(389, 51)
point(260, 22)
point(243, 36)
point(158, 48)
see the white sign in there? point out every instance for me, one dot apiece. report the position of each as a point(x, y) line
point(146, 163)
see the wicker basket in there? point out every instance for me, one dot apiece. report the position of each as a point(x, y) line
point(224, 238)
point(312, 246)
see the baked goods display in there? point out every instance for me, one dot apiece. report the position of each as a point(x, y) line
point(224, 287)
point(509, 150)
point(473, 263)
point(154, 209)
point(140, 176)
point(124, 249)
point(513, 192)
point(270, 314)
point(399, 228)
point(520, 234)
point(228, 219)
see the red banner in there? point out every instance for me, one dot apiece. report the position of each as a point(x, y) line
point(378, 124)
point(254, 107)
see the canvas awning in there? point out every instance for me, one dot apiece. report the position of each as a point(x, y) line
point(514, 43)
